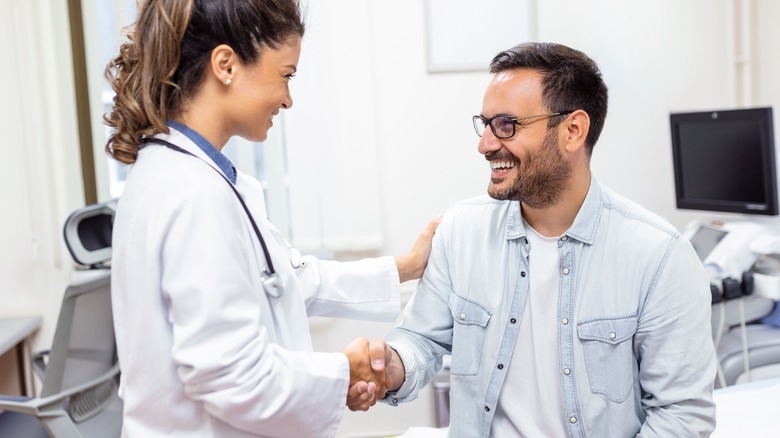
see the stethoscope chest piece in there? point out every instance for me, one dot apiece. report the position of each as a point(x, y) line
point(272, 283)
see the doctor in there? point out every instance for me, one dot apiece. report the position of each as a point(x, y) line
point(210, 302)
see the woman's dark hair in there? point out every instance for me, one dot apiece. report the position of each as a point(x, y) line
point(571, 80)
point(168, 49)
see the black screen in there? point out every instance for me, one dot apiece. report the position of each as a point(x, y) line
point(724, 161)
point(705, 239)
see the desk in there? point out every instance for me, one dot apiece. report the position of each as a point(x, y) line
point(747, 410)
point(14, 335)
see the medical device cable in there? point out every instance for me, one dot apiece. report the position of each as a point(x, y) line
point(745, 359)
point(718, 333)
point(271, 271)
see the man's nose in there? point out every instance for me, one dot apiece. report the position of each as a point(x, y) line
point(488, 142)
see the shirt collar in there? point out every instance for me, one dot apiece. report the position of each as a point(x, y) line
point(216, 156)
point(587, 220)
point(514, 223)
point(585, 223)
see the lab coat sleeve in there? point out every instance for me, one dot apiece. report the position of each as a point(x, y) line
point(674, 327)
point(220, 341)
point(367, 289)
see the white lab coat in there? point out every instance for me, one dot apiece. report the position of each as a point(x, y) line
point(204, 351)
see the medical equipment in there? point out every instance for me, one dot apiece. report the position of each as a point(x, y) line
point(738, 256)
point(766, 269)
point(725, 247)
point(272, 282)
point(725, 161)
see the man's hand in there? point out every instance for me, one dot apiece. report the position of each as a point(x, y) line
point(368, 375)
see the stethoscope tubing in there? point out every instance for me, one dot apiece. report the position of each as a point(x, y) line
point(271, 281)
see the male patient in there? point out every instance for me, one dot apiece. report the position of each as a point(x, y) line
point(568, 309)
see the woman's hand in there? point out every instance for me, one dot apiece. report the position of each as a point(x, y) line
point(412, 264)
point(384, 360)
point(369, 376)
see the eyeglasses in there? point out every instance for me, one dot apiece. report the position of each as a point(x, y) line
point(504, 127)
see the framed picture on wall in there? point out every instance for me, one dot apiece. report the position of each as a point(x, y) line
point(464, 35)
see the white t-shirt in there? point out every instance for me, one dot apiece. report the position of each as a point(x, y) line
point(530, 403)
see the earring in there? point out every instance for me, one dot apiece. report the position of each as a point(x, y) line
point(228, 81)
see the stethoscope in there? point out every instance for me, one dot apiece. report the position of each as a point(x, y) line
point(272, 282)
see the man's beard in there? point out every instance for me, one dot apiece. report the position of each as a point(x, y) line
point(545, 177)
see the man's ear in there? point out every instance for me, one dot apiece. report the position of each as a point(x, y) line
point(577, 126)
point(223, 63)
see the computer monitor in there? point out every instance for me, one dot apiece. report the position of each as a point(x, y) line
point(725, 161)
point(705, 239)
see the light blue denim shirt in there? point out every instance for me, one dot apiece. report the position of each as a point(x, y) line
point(635, 351)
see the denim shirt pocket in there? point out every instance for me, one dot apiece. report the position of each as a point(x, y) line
point(607, 346)
point(468, 337)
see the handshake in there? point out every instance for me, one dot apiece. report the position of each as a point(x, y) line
point(374, 369)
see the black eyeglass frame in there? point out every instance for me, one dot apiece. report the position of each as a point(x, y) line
point(479, 129)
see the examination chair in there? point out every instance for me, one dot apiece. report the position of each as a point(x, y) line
point(79, 375)
point(760, 344)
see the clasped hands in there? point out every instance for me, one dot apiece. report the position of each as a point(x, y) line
point(374, 367)
point(370, 372)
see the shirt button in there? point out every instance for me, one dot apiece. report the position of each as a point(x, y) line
point(612, 335)
point(566, 371)
point(500, 366)
point(487, 408)
point(513, 321)
point(565, 238)
point(565, 271)
point(462, 316)
point(395, 401)
point(522, 274)
point(573, 420)
point(565, 321)
point(525, 241)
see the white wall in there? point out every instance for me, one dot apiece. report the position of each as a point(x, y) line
point(765, 35)
point(656, 58)
point(654, 61)
point(40, 169)
point(412, 129)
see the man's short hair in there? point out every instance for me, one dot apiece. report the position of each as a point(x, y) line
point(571, 81)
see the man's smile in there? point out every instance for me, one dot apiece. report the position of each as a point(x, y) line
point(501, 168)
